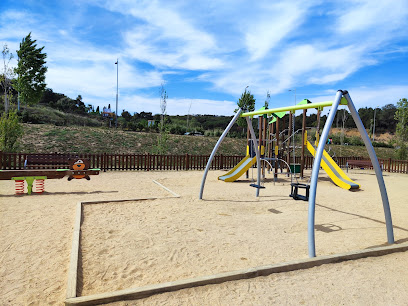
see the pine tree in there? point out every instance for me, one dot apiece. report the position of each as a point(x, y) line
point(31, 71)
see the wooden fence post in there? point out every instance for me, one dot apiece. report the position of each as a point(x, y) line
point(187, 162)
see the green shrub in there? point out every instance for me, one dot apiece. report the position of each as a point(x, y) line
point(177, 129)
point(356, 141)
point(382, 144)
point(10, 131)
point(402, 151)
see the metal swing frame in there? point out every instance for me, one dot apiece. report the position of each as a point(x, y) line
point(342, 98)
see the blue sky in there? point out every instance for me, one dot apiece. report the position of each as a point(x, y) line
point(207, 52)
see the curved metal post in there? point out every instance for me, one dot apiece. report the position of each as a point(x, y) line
point(258, 155)
point(215, 151)
point(376, 166)
point(315, 174)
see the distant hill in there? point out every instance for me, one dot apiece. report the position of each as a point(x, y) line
point(45, 138)
point(58, 109)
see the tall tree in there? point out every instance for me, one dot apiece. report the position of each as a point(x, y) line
point(6, 76)
point(31, 71)
point(161, 147)
point(268, 99)
point(163, 104)
point(247, 102)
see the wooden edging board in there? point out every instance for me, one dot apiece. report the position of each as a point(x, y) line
point(145, 291)
point(73, 264)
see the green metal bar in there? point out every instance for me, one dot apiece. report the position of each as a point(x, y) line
point(293, 108)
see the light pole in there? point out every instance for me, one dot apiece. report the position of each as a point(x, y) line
point(374, 123)
point(18, 92)
point(117, 91)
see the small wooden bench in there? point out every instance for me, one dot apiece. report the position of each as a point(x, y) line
point(362, 164)
point(47, 162)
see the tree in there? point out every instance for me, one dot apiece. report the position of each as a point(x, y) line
point(6, 76)
point(386, 119)
point(162, 146)
point(268, 99)
point(247, 103)
point(10, 131)
point(50, 97)
point(80, 107)
point(31, 71)
point(343, 122)
point(126, 115)
point(401, 115)
point(163, 104)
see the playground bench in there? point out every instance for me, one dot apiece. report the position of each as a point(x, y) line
point(362, 164)
point(74, 168)
point(46, 162)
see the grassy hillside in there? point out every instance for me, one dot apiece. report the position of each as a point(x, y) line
point(42, 138)
point(48, 138)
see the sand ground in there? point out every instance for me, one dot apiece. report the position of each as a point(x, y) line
point(131, 244)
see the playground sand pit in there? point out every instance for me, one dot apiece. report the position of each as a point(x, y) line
point(138, 243)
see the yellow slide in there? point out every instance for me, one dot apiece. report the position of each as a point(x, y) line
point(236, 172)
point(333, 170)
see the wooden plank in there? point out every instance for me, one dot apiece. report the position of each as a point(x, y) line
point(149, 290)
point(73, 263)
point(50, 174)
point(126, 200)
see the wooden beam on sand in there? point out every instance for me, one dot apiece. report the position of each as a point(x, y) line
point(76, 236)
point(73, 264)
point(145, 291)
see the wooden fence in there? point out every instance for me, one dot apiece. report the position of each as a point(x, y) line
point(148, 162)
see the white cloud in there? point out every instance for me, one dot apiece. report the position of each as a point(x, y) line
point(364, 15)
point(163, 37)
point(99, 79)
point(378, 96)
point(273, 23)
point(369, 97)
point(175, 106)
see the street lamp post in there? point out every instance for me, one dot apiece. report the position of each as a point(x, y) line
point(374, 123)
point(117, 91)
point(18, 92)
